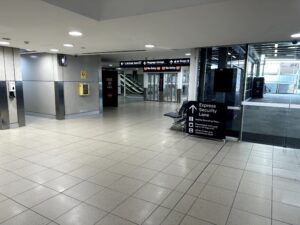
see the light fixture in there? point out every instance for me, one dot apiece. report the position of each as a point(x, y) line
point(68, 45)
point(33, 56)
point(75, 33)
point(297, 35)
point(293, 47)
point(188, 54)
point(276, 45)
point(276, 50)
point(149, 46)
point(275, 55)
point(229, 53)
point(290, 55)
point(4, 43)
point(110, 65)
point(53, 50)
point(234, 57)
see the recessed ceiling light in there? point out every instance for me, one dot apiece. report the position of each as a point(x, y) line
point(110, 65)
point(68, 45)
point(229, 53)
point(276, 45)
point(149, 46)
point(4, 43)
point(293, 47)
point(54, 50)
point(276, 51)
point(297, 35)
point(75, 33)
point(275, 55)
point(188, 54)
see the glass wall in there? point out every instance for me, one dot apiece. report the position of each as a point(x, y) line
point(272, 108)
point(216, 64)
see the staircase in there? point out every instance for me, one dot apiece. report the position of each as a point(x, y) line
point(131, 86)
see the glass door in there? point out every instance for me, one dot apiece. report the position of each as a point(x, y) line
point(170, 87)
point(153, 87)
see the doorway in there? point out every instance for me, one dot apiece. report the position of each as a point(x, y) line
point(162, 87)
point(153, 87)
point(170, 87)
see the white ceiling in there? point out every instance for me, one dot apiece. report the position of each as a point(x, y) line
point(110, 9)
point(220, 23)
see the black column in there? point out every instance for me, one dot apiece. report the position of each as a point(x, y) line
point(20, 103)
point(161, 88)
point(59, 100)
point(223, 58)
point(4, 114)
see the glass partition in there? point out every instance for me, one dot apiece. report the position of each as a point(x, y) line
point(222, 74)
point(272, 109)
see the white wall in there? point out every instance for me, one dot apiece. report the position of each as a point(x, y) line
point(38, 73)
point(75, 104)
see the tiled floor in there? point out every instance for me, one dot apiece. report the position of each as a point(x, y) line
point(128, 168)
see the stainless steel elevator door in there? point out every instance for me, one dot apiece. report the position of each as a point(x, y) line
point(153, 87)
point(170, 87)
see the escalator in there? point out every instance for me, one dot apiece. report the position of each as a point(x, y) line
point(131, 86)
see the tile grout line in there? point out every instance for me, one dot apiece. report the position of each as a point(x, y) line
point(184, 193)
point(236, 193)
point(83, 180)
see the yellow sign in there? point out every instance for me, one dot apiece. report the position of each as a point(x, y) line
point(83, 89)
point(83, 75)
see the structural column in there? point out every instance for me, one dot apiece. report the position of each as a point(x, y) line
point(12, 113)
point(194, 71)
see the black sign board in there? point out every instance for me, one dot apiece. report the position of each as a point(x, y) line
point(157, 62)
point(132, 64)
point(110, 88)
point(162, 69)
point(206, 119)
point(179, 62)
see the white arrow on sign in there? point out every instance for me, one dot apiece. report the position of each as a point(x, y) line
point(193, 108)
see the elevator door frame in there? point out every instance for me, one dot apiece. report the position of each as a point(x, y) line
point(153, 87)
point(171, 86)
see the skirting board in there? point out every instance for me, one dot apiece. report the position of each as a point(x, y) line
point(41, 115)
point(78, 115)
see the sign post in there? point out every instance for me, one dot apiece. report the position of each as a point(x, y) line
point(206, 119)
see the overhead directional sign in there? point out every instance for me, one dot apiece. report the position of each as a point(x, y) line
point(162, 69)
point(131, 64)
point(157, 62)
point(206, 119)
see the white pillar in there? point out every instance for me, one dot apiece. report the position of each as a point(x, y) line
point(145, 80)
point(179, 79)
point(193, 79)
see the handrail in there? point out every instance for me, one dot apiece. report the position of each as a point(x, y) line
point(130, 87)
point(131, 82)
